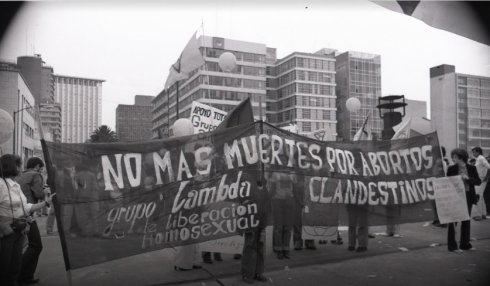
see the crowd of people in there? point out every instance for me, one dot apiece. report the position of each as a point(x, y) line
point(24, 193)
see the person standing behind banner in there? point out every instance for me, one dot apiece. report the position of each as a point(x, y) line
point(86, 185)
point(482, 166)
point(14, 220)
point(254, 245)
point(471, 179)
point(282, 205)
point(32, 185)
point(358, 227)
point(298, 206)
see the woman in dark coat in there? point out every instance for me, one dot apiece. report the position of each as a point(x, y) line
point(470, 179)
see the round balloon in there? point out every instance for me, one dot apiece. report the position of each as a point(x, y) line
point(181, 127)
point(227, 61)
point(6, 126)
point(353, 104)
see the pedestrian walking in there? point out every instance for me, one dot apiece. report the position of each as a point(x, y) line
point(32, 185)
point(471, 179)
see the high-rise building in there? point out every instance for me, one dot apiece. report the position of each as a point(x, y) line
point(210, 85)
point(302, 91)
point(17, 99)
point(134, 122)
point(81, 102)
point(460, 108)
point(358, 75)
point(40, 79)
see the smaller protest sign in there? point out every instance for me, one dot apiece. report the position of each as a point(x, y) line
point(205, 118)
point(233, 245)
point(450, 199)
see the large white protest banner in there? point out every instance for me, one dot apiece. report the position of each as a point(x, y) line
point(205, 118)
point(232, 245)
point(450, 199)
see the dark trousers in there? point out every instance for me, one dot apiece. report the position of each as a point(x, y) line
point(486, 198)
point(253, 253)
point(358, 226)
point(31, 256)
point(283, 222)
point(298, 240)
point(11, 258)
point(464, 242)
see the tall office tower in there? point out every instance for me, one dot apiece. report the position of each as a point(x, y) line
point(224, 90)
point(460, 108)
point(18, 100)
point(358, 75)
point(302, 91)
point(40, 79)
point(133, 122)
point(81, 103)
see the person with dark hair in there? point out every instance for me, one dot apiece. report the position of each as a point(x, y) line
point(482, 166)
point(471, 179)
point(32, 184)
point(14, 219)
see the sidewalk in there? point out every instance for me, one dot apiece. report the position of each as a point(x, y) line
point(156, 268)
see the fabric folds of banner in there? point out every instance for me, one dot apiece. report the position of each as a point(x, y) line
point(241, 114)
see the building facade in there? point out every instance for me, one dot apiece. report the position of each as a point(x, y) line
point(460, 108)
point(40, 79)
point(210, 85)
point(81, 103)
point(17, 99)
point(417, 111)
point(358, 75)
point(301, 91)
point(134, 122)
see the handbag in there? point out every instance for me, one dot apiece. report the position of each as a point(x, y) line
point(18, 224)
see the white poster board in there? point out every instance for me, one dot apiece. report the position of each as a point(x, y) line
point(205, 118)
point(450, 199)
point(233, 245)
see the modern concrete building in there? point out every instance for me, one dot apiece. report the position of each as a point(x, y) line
point(134, 122)
point(301, 91)
point(17, 99)
point(460, 108)
point(81, 102)
point(40, 79)
point(210, 85)
point(358, 75)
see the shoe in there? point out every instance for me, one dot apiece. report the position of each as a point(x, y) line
point(30, 282)
point(260, 277)
point(351, 248)
point(286, 255)
point(298, 248)
point(237, 256)
point(371, 235)
point(217, 257)
point(397, 235)
point(248, 280)
point(456, 251)
point(467, 247)
point(477, 218)
point(483, 217)
point(176, 268)
point(196, 266)
point(280, 255)
point(361, 249)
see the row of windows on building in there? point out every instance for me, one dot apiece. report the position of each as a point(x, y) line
point(76, 81)
point(320, 77)
point(475, 82)
point(303, 100)
point(239, 69)
point(306, 88)
point(309, 63)
point(240, 56)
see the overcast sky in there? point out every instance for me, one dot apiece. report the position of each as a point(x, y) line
point(132, 45)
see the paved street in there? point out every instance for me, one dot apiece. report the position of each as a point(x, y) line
point(383, 264)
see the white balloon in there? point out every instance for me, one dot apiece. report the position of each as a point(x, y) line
point(353, 104)
point(6, 126)
point(227, 61)
point(182, 127)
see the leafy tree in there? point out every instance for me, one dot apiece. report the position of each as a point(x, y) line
point(103, 134)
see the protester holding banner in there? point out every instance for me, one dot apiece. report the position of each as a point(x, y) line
point(358, 227)
point(298, 216)
point(254, 246)
point(32, 185)
point(14, 219)
point(482, 166)
point(282, 204)
point(470, 179)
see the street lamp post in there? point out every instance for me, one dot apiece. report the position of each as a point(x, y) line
point(14, 151)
